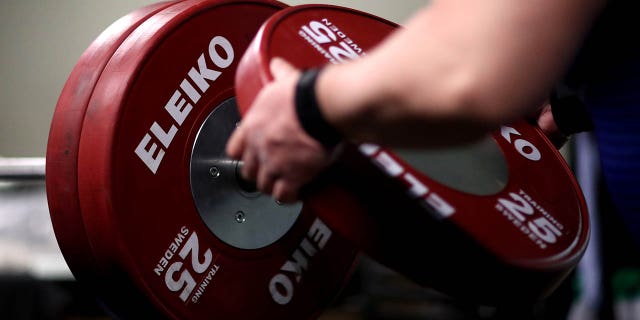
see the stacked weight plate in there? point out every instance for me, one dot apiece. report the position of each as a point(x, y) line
point(502, 221)
point(139, 196)
point(62, 154)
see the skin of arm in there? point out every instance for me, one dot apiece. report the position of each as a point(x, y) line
point(455, 71)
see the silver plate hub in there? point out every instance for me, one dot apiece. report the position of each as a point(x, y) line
point(233, 211)
point(479, 168)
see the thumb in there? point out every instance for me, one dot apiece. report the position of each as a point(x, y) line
point(236, 143)
point(281, 68)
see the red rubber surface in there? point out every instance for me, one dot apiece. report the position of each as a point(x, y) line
point(467, 245)
point(279, 37)
point(134, 216)
point(64, 138)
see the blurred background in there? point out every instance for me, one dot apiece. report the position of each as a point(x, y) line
point(40, 42)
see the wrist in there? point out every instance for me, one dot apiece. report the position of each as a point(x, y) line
point(309, 112)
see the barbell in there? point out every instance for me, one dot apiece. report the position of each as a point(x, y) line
point(152, 216)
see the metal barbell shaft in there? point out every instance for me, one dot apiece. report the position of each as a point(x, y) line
point(231, 166)
point(22, 169)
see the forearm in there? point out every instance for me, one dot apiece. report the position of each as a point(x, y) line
point(456, 70)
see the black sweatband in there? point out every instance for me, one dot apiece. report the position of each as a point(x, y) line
point(309, 115)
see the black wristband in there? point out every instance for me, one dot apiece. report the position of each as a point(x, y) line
point(309, 115)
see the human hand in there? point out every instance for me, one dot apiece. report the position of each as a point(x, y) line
point(548, 125)
point(563, 115)
point(277, 153)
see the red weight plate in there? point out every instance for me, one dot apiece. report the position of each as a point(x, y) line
point(307, 47)
point(64, 138)
point(513, 238)
point(156, 211)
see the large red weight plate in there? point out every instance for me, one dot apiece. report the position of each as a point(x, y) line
point(494, 235)
point(155, 129)
point(64, 138)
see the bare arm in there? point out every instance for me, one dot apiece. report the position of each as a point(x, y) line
point(456, 70)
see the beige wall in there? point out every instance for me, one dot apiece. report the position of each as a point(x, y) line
point(40, 41)
point(397, 11)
